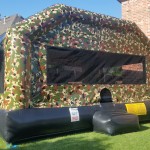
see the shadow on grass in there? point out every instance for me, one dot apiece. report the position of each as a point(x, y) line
point(143, 127)
point(69, 143)
point(85, 141)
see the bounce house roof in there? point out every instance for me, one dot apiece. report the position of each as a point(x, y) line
point(49, 18)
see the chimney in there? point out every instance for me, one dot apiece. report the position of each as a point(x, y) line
point(4, 19)
point(137, 11)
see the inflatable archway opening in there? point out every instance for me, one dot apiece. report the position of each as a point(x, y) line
point(105, 96)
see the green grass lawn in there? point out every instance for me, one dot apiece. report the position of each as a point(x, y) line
point(92, 141)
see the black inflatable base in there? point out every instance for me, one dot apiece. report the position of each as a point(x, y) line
point(27, 124)
point(115, 122)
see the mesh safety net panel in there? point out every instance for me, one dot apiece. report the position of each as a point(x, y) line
point(66, 65)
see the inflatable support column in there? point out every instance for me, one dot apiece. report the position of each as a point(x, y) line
point(112, 120)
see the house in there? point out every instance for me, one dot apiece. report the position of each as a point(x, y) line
point(137, 11)
point(8, 22)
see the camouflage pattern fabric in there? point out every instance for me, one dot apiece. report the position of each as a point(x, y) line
point(62, 26)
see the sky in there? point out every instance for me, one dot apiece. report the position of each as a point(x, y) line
point(28, 8)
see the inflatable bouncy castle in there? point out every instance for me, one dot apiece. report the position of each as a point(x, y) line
point(54, 64)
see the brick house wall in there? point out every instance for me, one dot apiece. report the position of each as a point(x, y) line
point(137, 11)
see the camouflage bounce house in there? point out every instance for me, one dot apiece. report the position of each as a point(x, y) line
point(54, 64)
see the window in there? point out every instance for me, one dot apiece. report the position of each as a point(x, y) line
point(93, 67)
point(1, 71)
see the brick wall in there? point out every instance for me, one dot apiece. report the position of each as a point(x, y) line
point(137, 11)
point(133, 67)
